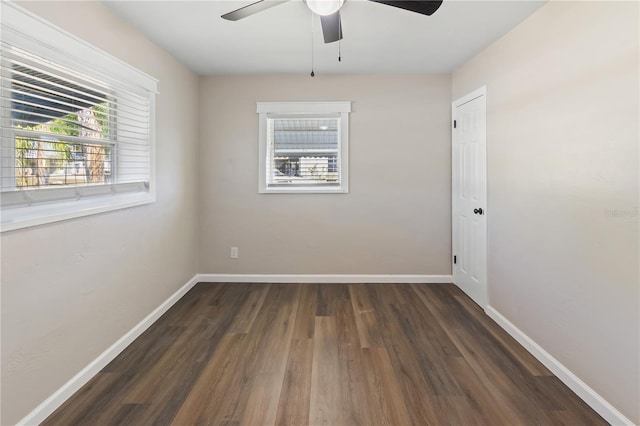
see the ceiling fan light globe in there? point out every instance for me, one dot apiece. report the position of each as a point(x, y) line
point(324, 7)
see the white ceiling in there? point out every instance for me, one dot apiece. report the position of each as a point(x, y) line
point(377, 38)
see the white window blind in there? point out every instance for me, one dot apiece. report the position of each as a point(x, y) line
point(77, 124)
point(304, 146)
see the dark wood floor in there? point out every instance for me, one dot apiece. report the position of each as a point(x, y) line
point(324, 354)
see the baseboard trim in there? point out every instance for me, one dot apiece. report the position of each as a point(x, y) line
point(44, 410)
point(580, 388)
point(324, 278)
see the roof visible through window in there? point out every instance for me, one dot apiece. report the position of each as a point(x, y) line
point(292, 135)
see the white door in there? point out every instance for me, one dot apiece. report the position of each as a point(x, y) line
point(469, 195)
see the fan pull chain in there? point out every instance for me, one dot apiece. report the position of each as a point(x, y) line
point(313, 74)
point(339, 38)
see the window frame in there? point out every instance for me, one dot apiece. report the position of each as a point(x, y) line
point(31, 33)
point(320, 110)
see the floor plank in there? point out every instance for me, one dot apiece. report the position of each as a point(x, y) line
point(274, 337)
point(383, 389)
point(213, 381)
point(324, 354)
point(327, 402)
point(293, 407)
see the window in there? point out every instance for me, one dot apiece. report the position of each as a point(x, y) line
point(77, 126)
point(304, 147)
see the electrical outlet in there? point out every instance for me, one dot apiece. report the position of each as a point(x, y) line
point(234, 252)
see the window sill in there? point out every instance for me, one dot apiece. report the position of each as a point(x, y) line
point(23, 217)
point(304, 190)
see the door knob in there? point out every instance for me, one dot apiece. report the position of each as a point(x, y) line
point(478, 211)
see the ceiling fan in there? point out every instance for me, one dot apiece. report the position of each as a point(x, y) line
point(329, 12)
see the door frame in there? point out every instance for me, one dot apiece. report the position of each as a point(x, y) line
point(482, 91)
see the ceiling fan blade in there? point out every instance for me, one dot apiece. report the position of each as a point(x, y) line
point(249, 10)
point(418, 6)
point(331, 27)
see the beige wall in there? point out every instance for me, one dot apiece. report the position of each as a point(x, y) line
point(563, 160)
point(396, 218)
point(71, 289)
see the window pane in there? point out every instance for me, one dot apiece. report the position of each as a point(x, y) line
point(304, 151)
point(44, 162)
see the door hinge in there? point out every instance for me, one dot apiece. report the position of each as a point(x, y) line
point(455, 259)
point(455, 124)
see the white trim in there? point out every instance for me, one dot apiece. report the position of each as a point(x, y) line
point(44, 410)
point(303, 107)
point(580, 388)
point(323, 278)
point(304, 190)
point(26, 216)
point(482, 91)
point(21, 24)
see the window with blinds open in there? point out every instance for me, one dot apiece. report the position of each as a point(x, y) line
point(303, 146)
point(74, 128)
